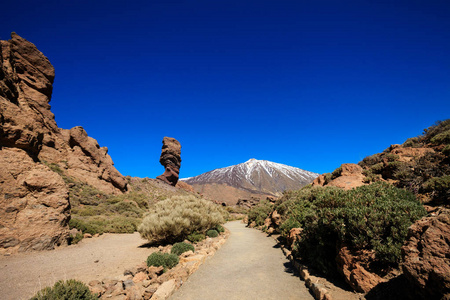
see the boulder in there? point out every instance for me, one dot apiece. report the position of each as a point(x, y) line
point(165, 290)
point(426, 255)
point(294, 235)
point(354, 273)
point(34, 204)
point(320, 180)
point(171, 160)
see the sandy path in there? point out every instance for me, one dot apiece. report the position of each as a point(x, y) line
point(107, 256)
point(248, 266)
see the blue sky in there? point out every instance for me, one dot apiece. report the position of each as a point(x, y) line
point(311, 84)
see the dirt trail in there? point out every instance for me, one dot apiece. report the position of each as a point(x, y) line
point(107, 256)
point(248, 266)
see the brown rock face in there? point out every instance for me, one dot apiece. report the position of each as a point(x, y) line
point(426, 255)
point(171, 160)
point(351, 177)
point(34, 203)
point(354, 273)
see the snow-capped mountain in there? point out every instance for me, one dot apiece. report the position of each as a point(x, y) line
point(255, 176)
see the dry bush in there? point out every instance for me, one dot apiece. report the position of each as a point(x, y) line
point(175, 218)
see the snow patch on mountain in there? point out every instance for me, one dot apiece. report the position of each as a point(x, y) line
point(258, 175)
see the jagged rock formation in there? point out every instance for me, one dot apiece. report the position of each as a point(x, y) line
point(347, 177)
point(426, 255)
point(171, 160)
point(34, 204)
point(254, 178)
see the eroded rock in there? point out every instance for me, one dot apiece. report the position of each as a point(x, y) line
point(426, 255)
point(354, 273)
point(35, 153)
point(171, 160)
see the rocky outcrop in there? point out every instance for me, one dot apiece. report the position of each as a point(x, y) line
point(350, 177)
point(426, 255)
point(35, 153)
point(171, 160)
point(34, 204)
point(354, 273)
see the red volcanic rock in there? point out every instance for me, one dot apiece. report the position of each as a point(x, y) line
point(187, 187)
point(171, 160)
point(351, 177)
point(34, 203)
point(354, 273)
point(320, 180)
point(426, 255)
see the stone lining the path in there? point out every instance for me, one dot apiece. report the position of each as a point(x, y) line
point(142, 282)
point(320, 288)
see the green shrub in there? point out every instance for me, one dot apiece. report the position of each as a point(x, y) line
point(370, 176)
point(102, 224)
point(371, 160)
point(75, 239)
point(336, 173)
point(446, 150)
point(175, 218)
point(413, 142)
point(259, 213)
point(212, 233)
point(439, 133)
point(180, 248)
point(440, 187)
point(377, 168)
point(195, 237)
point(67, 290)
point(166, 260)
point(374, 217)
point(219, 228)
point(83, 226)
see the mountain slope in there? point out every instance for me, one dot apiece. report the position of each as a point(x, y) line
point(252, 178)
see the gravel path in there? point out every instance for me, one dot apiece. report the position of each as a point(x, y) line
point(248, 266)
point(107, 256)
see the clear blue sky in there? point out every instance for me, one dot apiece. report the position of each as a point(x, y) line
point(311, 84)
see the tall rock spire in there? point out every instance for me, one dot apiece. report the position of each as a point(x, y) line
point(171, 160)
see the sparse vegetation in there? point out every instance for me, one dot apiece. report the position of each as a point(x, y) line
point(166, 260)
point(259, 212)
point(75, 239)
point(419, 173)
point(195, 237)
point(177, 217)
point(180, 248)
point(96, 212)
point(70, 290)
point(219, 228)
point(336, 173)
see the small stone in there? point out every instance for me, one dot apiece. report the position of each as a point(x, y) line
point(87, 235)
point(128, 283)
point(165, 290)
point(154, 272)
point(139, 277)
point(94, 283)
point(187, 253)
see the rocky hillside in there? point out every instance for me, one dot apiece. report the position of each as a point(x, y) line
point(420, 165)
point(35, 152)
point(382, 225)
point(254, 178)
